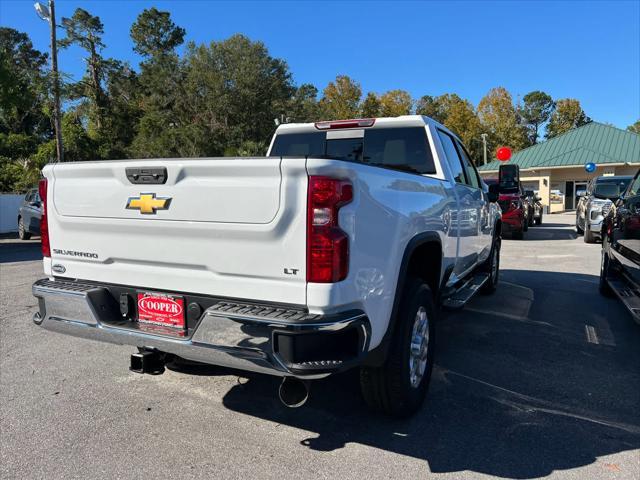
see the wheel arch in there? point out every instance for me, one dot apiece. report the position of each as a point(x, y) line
point(422, 257)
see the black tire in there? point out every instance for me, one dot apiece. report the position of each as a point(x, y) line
point(23, 234)
point(492, 267)
point(589, 237)
point(604, 287)
point(390, 388)
point(538, 221)
point(578, 229)
point(525, 225)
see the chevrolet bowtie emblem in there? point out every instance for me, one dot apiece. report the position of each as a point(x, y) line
point(148, 204)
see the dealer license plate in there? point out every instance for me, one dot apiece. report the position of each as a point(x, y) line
point(161, 309)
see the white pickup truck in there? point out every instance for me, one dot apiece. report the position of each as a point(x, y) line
point(334, 251)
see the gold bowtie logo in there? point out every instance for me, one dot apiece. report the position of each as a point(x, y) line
point(148, 204)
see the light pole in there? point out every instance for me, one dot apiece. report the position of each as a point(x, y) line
point(484, 146)
point(49, 14)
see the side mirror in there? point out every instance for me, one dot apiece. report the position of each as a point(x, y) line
point(538, 198)
point(494, 192)
point(582, 193)
point(35, 204)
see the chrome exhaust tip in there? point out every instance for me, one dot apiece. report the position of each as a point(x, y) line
point(293, 392)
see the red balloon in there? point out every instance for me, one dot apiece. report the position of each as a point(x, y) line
point(503, 154)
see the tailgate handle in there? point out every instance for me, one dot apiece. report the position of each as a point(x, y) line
point(147, 176)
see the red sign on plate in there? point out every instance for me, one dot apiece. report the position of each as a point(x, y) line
point(161, 309)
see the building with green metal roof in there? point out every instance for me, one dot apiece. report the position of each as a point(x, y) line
point(556, 168)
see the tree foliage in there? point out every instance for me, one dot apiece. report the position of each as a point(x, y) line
point(395, 103)
point(635, 128)
point(341, 99)
point(568, 115)
point(22, 86)
point(499, 116)
point(371, 106)
point(85, 31)
point(219, 98)
point(535, 112)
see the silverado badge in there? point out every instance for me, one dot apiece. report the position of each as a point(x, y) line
point(148, 204)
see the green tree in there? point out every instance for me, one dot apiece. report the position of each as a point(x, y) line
point(535, 112)
point(154, 34)
point(371, 106)
point(635, 128)
point(499, 116)
point(22, 86)
point(162, 126)
point(341, 99)
point(462, 120)
point(568, 115)
point(431, 107)
point(303, 106)
point(78, 146)
point(233, 91)
point(395, 103)
point(85, 31)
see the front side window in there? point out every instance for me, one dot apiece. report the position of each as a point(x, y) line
point(404, 149)
point(472, 174)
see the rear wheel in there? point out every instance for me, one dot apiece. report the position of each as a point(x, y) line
point(399, 386)
point(492, 267)
point(23, 234)
point(538, 221)
point(604, 287)
point(579, 229)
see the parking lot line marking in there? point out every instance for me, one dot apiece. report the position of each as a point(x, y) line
point(592, 336)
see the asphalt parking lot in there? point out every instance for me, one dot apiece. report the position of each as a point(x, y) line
point(542, 379)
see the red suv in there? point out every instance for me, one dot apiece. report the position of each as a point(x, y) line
point(514, 209)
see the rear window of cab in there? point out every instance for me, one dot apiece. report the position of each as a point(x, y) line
point(404, 149)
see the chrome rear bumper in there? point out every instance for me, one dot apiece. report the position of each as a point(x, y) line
point(227, 334)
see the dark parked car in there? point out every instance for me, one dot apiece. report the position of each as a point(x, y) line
point(620, 267)
point(593, 206)
point(535, 208)
point(29, 215)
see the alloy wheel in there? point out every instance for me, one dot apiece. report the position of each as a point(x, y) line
point(419, 348)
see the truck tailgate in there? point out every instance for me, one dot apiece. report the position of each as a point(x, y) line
point(231, 227)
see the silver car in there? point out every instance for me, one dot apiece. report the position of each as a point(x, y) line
point(29, 215)
point(595, 202)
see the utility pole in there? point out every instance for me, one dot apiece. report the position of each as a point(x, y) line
point(49, 14)
point(484, 146)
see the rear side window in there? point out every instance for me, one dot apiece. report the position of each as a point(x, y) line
point(299, 145)
point(403, 149)
point(453, 159)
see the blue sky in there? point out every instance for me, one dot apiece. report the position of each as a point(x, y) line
point(584, 50)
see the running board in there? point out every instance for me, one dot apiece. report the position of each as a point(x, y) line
point(463, 294)
point(629, 297)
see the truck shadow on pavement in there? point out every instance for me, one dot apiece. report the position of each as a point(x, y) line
point(515, 393)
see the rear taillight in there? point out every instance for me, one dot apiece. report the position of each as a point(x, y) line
point(44, 225)
point(327, 243)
